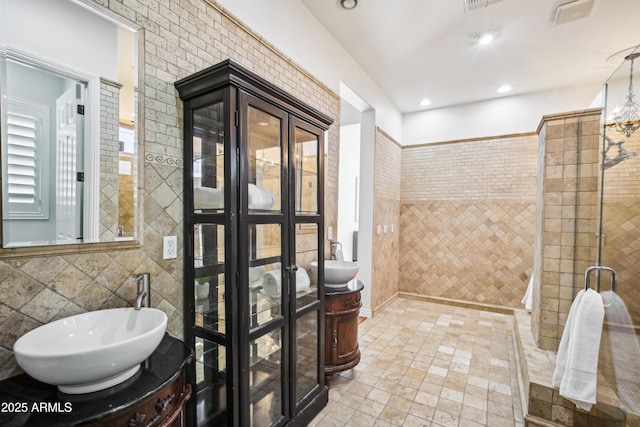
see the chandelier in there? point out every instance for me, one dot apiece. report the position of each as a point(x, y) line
point(627, 119)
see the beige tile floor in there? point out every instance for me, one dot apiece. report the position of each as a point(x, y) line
point(428, 364)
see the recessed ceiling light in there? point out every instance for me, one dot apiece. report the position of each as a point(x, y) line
point(425, 102)
point(504, 89)
point(486, 37)
point(348, 4)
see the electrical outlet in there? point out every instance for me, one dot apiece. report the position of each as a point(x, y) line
point(170, 247)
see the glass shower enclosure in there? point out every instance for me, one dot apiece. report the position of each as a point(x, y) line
point(618, 243)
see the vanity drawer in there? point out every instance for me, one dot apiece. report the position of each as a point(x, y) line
point(162, 409)
point(342, 302)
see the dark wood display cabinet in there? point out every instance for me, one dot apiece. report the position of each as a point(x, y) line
point(342, 307)
point(254, 309)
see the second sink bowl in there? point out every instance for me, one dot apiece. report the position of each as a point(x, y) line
point(91, 351)
point(338, 273)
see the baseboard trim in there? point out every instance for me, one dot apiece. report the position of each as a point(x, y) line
point(459, 303)
point(385, 304)
point(365, 312)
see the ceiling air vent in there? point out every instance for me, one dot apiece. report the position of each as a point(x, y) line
point(470, 5)
point(572, 11)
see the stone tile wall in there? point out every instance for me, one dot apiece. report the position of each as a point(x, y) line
point(467, 219)
point(180, 38)
point(126, 198)
point(109, 170)
point(568, 211)
point(386, 205)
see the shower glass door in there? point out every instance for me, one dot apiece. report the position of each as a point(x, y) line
point(619, 241)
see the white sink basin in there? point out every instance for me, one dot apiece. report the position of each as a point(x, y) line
point(337, 272)
point(91, 351)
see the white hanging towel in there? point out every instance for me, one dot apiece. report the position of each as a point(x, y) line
point(563, 348)
point(580, 379)
point(527, 300)
point(621, 352)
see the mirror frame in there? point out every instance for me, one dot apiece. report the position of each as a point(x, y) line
point(93, 247)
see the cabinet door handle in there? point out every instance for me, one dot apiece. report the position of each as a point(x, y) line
point(293, 268)
point(335, 338)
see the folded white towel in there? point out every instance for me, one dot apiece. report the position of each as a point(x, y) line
point(272, 283)
point(213, 198)
point(259, 198)
point(256, 273)
point(302, 280)
point(620, 354)
point(580, 379)
point(208, 198)
point(255, 276)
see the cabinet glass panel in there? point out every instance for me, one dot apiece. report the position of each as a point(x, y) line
point(265, 274)
point(209, 285)
point(307, 353)
point(208, 158)
point(210, 309)
point(211, 366)
point(306, 259)
point(265, 378)
point(265, 164)
point(306, 164)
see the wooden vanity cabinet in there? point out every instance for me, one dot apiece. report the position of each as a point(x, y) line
point(342, 307)
point(163, 409)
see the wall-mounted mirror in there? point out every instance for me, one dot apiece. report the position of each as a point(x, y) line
point(68, 80)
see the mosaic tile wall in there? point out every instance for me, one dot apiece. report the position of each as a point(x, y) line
point(386, 207)
point(568, 208)
point(467, 219)
point(39, 289)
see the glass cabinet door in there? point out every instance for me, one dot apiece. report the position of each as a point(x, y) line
point(306, 171)
point(266, 196)
point(208, 240)
point(306, 162)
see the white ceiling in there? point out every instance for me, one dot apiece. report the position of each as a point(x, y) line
point(416, 49)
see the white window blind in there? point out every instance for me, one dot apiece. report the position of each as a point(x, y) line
point(27, 148)
point(21, 158)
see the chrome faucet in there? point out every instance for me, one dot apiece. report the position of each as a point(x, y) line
point(143, 299)
point(333, 251)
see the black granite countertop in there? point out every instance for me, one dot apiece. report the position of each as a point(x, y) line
point(25, 401)
point(354, 285)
